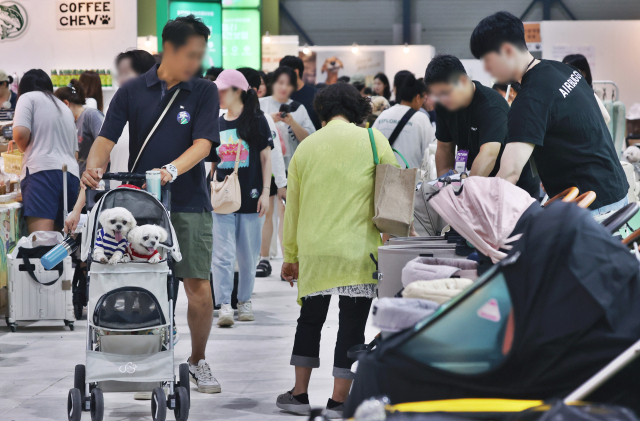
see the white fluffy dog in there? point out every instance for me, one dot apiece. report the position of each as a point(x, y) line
point(111, 243)
point(143, 243)
point(632, 154)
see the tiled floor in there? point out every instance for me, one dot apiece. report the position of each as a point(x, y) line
point(251, 361)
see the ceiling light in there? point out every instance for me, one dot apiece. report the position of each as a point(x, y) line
point(306, 50)
point(354, 48)
point(266, 39)
point(406, 48)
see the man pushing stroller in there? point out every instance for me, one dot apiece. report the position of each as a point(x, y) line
point(176, 147)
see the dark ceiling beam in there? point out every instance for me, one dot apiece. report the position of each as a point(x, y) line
point(546, 9)
point(295, 23)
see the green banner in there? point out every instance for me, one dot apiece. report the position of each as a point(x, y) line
point(241, 40)
point(241, 3)
point(210, 13)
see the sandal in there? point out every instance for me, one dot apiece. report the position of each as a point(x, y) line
point(264, 269)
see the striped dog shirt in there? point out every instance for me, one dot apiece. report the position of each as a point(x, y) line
point(109, 243)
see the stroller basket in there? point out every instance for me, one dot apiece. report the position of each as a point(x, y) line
point(128, 308)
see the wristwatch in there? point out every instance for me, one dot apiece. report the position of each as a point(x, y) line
point(171, 169)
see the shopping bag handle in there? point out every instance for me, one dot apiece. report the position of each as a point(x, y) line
point(29, 267)
point(376, 160)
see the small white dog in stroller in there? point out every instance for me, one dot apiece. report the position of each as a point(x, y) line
point(111, 242)
point(143, 243)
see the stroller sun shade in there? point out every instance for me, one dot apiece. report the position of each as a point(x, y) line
point(557, 309)
point(128, 308)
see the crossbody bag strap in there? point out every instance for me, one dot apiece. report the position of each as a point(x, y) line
point(153, 129)
point(403, 122)
point(235, 168)
point(373, 146)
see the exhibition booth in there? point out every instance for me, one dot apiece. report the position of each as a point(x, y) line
point(480, 289)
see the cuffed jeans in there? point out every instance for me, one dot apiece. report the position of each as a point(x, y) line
point(354, 312)
point(235, 236)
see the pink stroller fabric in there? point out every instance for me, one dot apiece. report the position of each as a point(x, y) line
point(485, 212)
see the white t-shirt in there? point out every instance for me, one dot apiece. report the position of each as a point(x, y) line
point(53, 140)
point(90, 103)
point(277, 161)
point(269, 106)
point(119, 156)
point(415, 137)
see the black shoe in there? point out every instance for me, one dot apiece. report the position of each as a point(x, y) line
point(264, 269)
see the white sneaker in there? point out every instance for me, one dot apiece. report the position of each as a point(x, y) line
point(245, 311)
point(201, 376)
point(225, 315)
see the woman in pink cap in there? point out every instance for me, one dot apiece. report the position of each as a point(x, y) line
point(238, 235)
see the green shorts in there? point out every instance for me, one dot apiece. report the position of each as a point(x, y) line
point(195, 237)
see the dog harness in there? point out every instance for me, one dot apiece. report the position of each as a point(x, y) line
point(137, 255)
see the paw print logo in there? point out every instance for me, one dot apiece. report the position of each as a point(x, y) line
point(105, 19)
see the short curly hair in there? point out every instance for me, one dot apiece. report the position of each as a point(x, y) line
point(341, 99)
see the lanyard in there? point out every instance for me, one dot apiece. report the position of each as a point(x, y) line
point(529, 65)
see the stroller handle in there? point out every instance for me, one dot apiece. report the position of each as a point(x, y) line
point(585, 199)
point(128, 178)
point(567, 196)
point(124, 176)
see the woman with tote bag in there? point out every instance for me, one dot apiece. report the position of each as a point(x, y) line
point(329, 234)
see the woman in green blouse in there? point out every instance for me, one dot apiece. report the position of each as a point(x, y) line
point(329, 234)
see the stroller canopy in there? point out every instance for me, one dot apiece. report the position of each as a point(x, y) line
point(146, 209)
point(485, 211)
point(560, 307)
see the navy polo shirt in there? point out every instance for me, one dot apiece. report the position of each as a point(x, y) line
point(193, 115)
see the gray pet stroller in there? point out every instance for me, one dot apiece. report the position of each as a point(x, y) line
point(129, 345)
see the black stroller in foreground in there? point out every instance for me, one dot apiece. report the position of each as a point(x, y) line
point(538, 326)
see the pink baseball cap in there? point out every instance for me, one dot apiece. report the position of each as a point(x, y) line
point(231, 78)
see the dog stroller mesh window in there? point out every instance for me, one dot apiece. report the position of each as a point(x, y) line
point(128, 308)
point(144, 208)
point(474, 337)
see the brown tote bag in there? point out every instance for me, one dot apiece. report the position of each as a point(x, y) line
point(394, 196)
point(225, 195)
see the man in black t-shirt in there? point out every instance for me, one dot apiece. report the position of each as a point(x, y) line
point(305, 93)
point(555, 118)
point(471, 117)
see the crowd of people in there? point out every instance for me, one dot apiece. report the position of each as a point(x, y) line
point(298, 153)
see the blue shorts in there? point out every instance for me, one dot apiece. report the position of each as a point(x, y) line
point(42, 194)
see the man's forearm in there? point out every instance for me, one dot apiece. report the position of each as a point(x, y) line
point(99, 153)
point(445, 160)
point(192, 156)
point(485, 162)
point(514, 157)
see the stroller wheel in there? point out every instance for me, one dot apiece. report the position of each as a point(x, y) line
point(181, 411)
point(183, 380)
point(97, 405)
point(72, 327)
point(78, 378)
point(158, 405)
point(74, 405)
